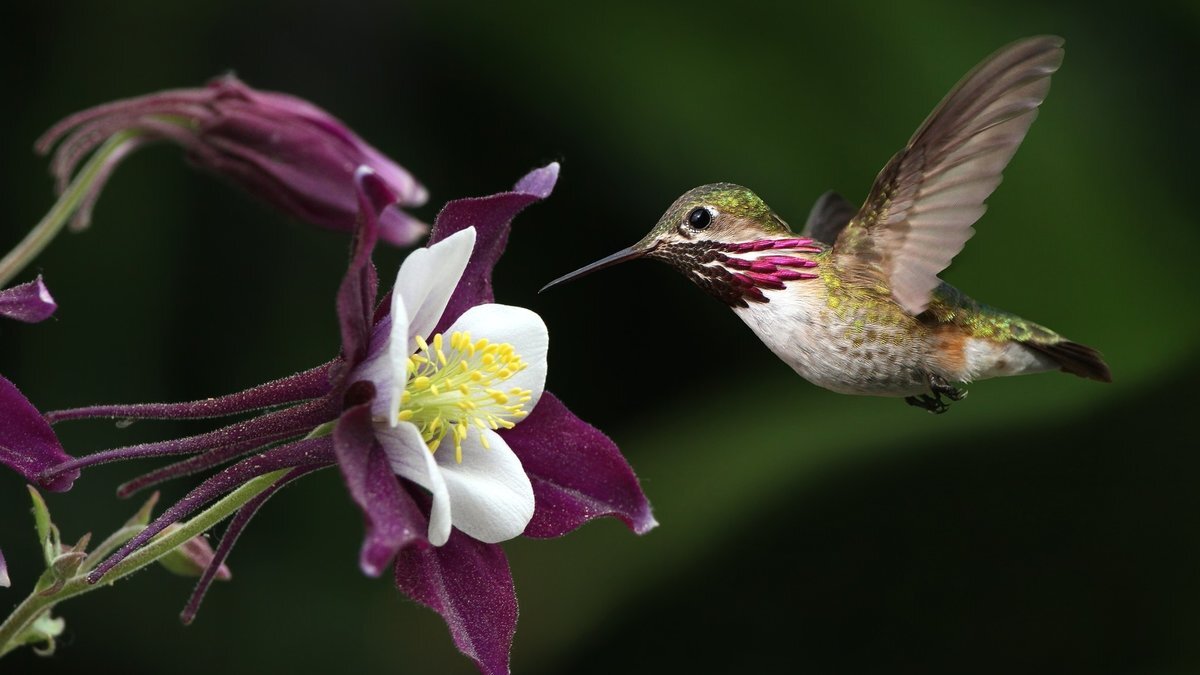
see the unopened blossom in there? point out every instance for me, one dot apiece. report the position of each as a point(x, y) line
point(277, 147)
point(447, 444)
point(192, 558)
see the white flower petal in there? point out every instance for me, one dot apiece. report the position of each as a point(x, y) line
point(521, 328)
point(381, 368)
point(428, 278)
point(410, 458)
point(397, 359)
point(492, 495)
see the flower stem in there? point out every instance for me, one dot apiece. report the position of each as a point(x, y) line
point(34, 605)
point(68, 202)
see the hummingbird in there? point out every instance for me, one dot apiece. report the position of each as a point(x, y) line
point(853, 303)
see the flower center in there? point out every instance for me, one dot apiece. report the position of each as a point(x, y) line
point(448, 391)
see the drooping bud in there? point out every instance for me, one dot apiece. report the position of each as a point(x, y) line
point(279, 148)
point(192, 557)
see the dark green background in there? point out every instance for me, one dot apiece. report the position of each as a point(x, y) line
point(1046, 524)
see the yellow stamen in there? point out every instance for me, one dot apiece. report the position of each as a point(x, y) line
point(456, 383)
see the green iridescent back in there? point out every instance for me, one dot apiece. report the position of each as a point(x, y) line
point(869, 301)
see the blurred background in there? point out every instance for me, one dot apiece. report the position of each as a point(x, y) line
point(1045, 524)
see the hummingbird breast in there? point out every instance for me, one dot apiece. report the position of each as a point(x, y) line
point(855, 339)
point(849, 350)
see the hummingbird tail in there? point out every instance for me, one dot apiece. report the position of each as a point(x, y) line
point(1074, 358)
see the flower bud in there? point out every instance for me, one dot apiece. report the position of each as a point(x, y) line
point(279, 148)
point(192, 557)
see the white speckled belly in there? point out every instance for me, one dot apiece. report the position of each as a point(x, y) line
point(830, 351)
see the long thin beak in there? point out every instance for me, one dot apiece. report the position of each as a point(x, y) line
point(618, 257)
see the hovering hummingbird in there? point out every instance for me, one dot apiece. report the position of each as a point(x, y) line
point(853, 303)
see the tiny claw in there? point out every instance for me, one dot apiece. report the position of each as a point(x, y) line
point(939, 385)
point(933, 404)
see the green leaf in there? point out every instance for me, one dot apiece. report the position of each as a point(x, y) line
point(42, 631)
point(47, 533)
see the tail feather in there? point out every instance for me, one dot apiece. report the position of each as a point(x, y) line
point(1074, 358)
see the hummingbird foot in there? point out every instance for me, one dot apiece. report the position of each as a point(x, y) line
point(934, 404)
point(939, 385)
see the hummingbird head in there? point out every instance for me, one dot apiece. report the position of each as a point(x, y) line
point(725, 239)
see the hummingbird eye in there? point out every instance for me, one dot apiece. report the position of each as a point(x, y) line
point(699, 218)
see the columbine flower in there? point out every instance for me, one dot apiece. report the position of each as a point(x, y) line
point(442, 397)
point(29, 302)
point(447, 444)
point(278, 147)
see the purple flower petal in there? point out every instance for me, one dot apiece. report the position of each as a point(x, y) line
point(356, 296)
point(30, 302)
point(577, 472)
point(27, 443)
point(469, 584)
point(393, 520)
point(539, 182)
point(492, 217)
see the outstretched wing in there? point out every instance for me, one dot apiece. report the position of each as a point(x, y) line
point(829, 215)
point(921, 208)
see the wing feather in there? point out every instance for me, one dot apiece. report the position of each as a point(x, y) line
point(921, 209)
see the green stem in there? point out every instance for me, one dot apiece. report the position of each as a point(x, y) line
point(68, 202)
point(33, 606)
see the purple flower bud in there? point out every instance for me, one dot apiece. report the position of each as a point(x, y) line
point(279, 148)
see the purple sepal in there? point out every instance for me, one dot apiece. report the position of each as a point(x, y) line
point(392, 518)
point(577, 472)
point(27, 443)
point(492, 217)
point(28, 302)
point(307, 453)
point(311, 383)
point(469, 584)
point(360, 285)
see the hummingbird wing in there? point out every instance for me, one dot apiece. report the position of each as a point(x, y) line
point(921, 208)
point(828, 217)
